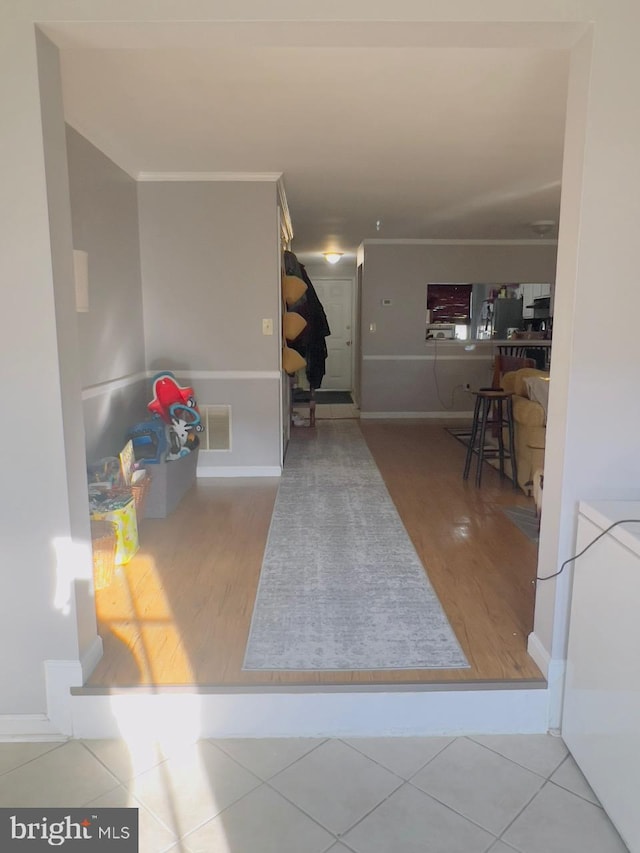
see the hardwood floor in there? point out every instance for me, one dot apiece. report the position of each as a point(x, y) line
point(179, 612)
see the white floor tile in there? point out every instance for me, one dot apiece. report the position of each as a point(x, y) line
point(192, 787)
point(402, 755)
point(213, 792)
point(559, 821)
point(479, 784)
point(336, 785)
point(411, 822)
point(13, 755)
point(569, 776)
point(152, 835)
point(123, 760)
point(268, 756)
point(68, 776)
point(540, 753)
point(262, 821)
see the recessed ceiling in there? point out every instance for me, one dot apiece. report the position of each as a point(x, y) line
point(429, 142)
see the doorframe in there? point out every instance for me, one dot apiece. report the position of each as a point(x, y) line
point(556, 599)
point(352, 282)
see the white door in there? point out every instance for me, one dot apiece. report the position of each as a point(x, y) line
point(336, 298)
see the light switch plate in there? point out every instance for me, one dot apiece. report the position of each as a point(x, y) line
point(267, 327)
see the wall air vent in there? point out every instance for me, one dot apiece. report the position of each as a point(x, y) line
point(217, 427)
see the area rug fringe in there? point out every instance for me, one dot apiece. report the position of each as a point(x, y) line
point(341, 586)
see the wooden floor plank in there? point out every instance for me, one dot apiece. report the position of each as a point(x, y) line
point(179, 613)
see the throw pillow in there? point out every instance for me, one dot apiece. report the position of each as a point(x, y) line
point(538, 391)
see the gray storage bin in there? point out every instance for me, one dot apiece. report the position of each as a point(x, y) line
point(169, 483)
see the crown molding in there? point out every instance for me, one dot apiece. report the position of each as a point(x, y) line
point(284, 207)
point(106, 147)
point(272, 177)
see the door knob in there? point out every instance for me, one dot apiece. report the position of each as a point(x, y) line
point(348, 343)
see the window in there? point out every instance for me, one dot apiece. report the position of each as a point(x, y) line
point(450, 304)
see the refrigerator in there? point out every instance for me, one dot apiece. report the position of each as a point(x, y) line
point(498, 316)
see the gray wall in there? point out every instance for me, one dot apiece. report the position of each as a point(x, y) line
point(47, 613)
point(104, 211)
point(398, 372)
point(210, 273)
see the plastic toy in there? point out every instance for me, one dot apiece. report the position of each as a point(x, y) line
point(190, 416)
point(149, 440)
point(166, 393)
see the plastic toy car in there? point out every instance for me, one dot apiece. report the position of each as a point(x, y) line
point(166, 393)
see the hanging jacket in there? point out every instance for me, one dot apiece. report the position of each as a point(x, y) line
point(311, 344)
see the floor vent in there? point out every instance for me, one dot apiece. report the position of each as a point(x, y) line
point(217, 427)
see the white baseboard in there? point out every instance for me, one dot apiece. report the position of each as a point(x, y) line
point(540, 655)
point(91, 658)
point(60, 677)
point(28, 727)
point(142, 713)
point(238, 471)
point(422, 415)
point(554, 670)
point(556, 681)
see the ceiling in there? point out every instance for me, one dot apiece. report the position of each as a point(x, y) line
point(376, 138)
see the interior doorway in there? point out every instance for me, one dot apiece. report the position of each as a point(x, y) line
point(329, 380)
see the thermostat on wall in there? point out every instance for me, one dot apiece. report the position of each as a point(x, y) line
point(385, 302)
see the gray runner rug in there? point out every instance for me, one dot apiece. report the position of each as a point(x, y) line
point(341, 586)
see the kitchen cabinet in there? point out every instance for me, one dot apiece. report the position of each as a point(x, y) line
point(529, 292)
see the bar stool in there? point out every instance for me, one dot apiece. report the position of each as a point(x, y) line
point(500, 401)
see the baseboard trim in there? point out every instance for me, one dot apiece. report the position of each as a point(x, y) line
point(60, 676)
point(205, 471)
point(28, 727)
point(556, 680)
point(554, 670)
point(143, 715)
point(91, 658)
point(540, 655)
point(417, 415)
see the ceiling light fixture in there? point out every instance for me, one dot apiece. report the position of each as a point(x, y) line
point(333, 257)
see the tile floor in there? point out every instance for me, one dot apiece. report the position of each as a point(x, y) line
point(327, 411)
point(497, 794)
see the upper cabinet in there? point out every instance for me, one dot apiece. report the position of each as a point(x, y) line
point(529, 292)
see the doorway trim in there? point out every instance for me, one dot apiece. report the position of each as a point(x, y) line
point(557, 597)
